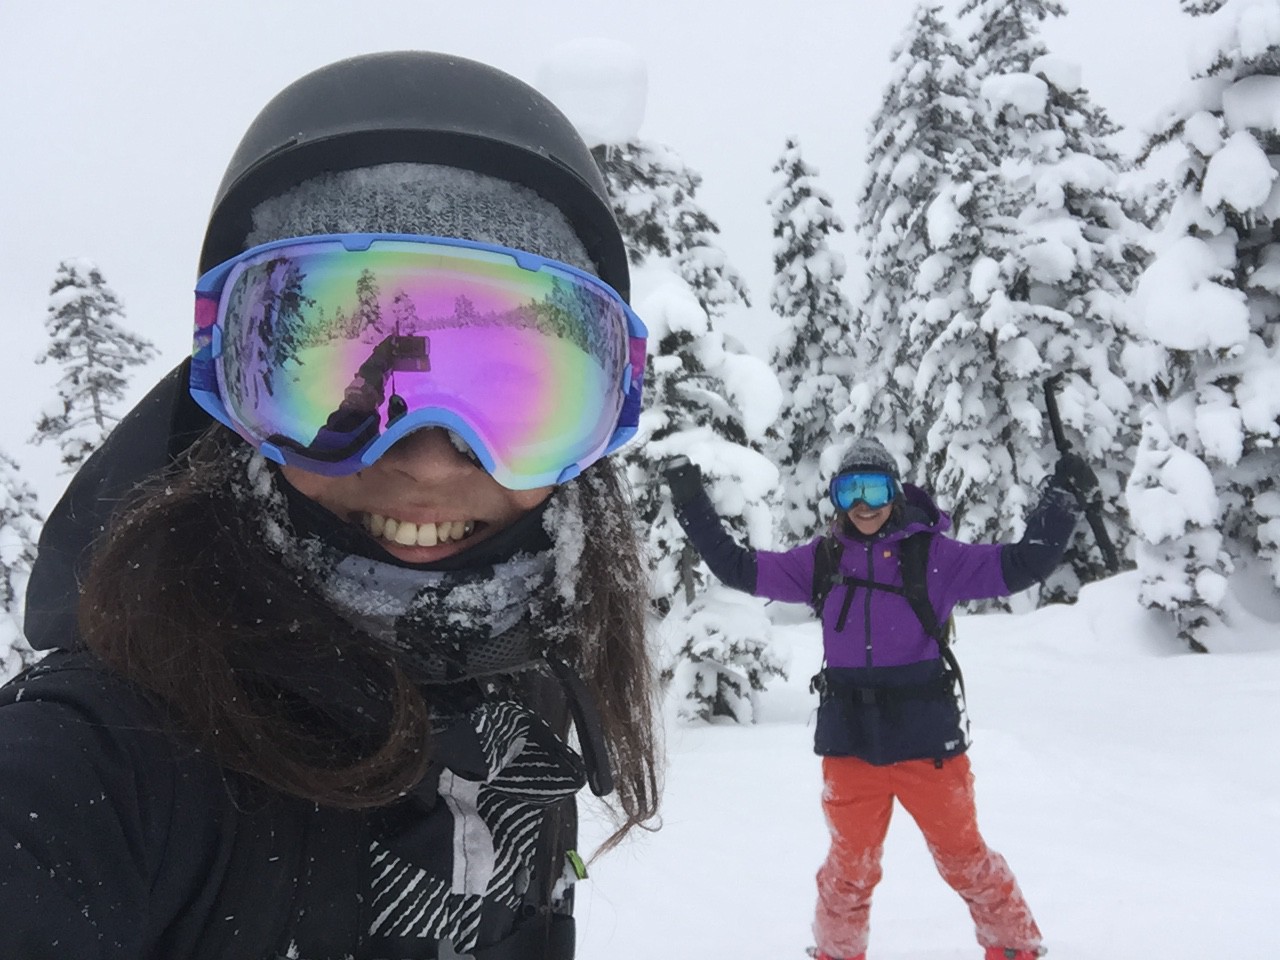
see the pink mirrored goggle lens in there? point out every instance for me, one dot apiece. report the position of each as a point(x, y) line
point(325, 351)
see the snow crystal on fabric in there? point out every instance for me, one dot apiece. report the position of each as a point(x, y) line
point(469, 623)
point(421, 198)
point(564, 523)
point(869, 453)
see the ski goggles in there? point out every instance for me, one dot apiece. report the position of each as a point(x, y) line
point(874, 489)
point(324, 351)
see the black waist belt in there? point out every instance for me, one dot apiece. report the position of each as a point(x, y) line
point(939, 686)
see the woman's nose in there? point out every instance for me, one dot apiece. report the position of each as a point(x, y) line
point(428, 455)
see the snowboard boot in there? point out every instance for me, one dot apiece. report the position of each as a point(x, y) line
point(817, 954)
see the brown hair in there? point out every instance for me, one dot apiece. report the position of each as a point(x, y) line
point(184, 599)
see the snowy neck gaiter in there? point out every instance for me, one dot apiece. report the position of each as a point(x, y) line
point(495, 612)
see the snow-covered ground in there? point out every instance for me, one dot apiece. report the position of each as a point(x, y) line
point(1134, 789)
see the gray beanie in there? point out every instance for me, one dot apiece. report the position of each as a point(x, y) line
point(869, 454)
point(421, 198)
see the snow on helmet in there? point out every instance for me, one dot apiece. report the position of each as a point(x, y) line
point(421, 107)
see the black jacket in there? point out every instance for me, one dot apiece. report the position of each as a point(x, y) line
point(120, 840)
point(115, 840)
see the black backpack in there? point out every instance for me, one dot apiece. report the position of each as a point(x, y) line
point(913, 559)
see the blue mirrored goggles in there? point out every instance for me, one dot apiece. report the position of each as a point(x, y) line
point(874, 489)
point(324, 351)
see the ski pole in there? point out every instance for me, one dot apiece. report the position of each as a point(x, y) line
point(1093, 506)
point(1051, 406)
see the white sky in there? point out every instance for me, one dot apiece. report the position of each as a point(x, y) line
point(117, 119)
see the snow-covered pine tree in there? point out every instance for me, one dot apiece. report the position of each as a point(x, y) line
point(655, 200)
point(1199, 8)
point(705, 398)
point(1058, 255)
point(717, 645)
point(813, 356)
point(20, 523)
point(94, 350)
point(918, 235)
point(1205, 492)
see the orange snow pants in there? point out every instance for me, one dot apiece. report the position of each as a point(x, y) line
point(858, 800)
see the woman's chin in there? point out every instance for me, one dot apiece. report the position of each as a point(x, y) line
point(868, 525)
point(415, 554)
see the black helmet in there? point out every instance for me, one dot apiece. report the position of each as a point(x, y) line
point(420, 107)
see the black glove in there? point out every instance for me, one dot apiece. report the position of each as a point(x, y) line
point(684, 477)
point(1075, 475)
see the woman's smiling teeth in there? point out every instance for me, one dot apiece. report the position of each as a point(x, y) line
point(406, 533)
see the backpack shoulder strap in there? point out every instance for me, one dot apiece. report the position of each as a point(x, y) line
point(914, 562)
point(826, 569)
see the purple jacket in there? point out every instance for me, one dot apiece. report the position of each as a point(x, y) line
point(881, 630)
point(886, 694)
